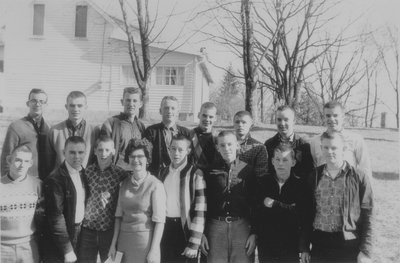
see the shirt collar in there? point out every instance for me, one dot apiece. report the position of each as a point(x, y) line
point(77, 127)
point(173, 127)
point(72, 170)
point(180, 168)
point(342, 171)
point(291, 138)
point(124, 116)
point(110, 167)
point(20, 179)
point(246, 138)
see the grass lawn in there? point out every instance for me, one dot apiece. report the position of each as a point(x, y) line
point(383, 146)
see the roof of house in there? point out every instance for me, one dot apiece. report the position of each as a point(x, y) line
point(111, 11)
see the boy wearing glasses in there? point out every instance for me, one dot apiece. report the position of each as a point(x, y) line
point(186, 205)
point(31, 131)
point(125, 126)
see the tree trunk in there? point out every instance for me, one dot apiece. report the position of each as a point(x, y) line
point(248, 58)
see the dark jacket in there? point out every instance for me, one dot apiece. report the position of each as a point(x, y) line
point(357, 210)
point(304, 161)
point(60, 200)
point(278, 227)
point(159, 156)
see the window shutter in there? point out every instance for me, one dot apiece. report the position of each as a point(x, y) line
point(38, 20)
point(81, 21)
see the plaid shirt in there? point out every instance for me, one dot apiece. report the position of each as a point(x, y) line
point(255, 154)
point(102, 185)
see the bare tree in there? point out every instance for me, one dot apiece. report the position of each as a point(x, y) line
point(139, 51)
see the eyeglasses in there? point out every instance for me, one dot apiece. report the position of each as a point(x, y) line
point(42, 102)
point(139, 156)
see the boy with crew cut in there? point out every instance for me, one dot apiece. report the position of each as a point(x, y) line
point(75, 125)
point(356, 153)
point(204, 150)
point(103, 179)
point(229, 234)
point(65, 195)
point(186, 205)
point(31, 130)
point(160, 134)
point(251, 151)
point(280, 197)
point(22, 207)
point(341, 225)
point(125, 126)
point(285, 124)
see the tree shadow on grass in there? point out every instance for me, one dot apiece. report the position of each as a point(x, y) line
point(385, 176)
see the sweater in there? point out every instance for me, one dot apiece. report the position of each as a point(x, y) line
point(56, 138)
point(193, 203)
point(22, 207)
point(23, 131)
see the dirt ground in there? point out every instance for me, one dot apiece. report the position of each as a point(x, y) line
point(383, 145)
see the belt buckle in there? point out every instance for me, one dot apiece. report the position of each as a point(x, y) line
point(228, 219)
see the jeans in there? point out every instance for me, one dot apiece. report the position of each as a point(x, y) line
point(332, 247)
point(94, 242)
point(227, 241)
point(27, 252)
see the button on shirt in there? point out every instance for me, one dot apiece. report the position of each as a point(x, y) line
point(329, 196)
point(80, 192)
point(171, 184)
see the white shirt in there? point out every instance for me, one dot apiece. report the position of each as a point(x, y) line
point(356, 153)
point(171, 184)
point(80, 192)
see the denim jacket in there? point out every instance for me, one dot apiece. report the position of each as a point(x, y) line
point(357, 208)
point(60, 199)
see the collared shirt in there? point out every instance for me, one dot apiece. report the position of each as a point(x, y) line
point(329, 197)
point(169, 132)
point(77, 130)
point(103, 196)
point(356, 153)
point(80, 192)
point(287, 140)
point(255, 154)
point(129, 130)
point(230, 189)
point(171, 184)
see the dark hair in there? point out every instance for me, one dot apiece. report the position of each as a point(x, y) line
point(208, 105)
point(333, 104)
point(21, 148)
point(285, 107)
point(133, 90)
point(103, 138)
point(181, 137)
point(76, 94)
point(169, 98)
point(74, 140)
point(139, 144)
point(283, 147)
point(224, 134)
point(243, 113)
point(330, 135)
point(36, 91)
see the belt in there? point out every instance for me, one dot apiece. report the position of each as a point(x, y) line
point(173, 219)
point(228, 219)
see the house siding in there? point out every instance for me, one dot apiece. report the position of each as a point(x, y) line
point(60, 63)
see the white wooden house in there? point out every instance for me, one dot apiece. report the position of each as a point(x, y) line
point(67, 45)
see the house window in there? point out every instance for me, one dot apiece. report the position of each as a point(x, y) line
point(38, 20)
point(170, 76)
point(127, 76)
point(81, 21)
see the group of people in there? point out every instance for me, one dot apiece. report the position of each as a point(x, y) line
point(74, 192)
